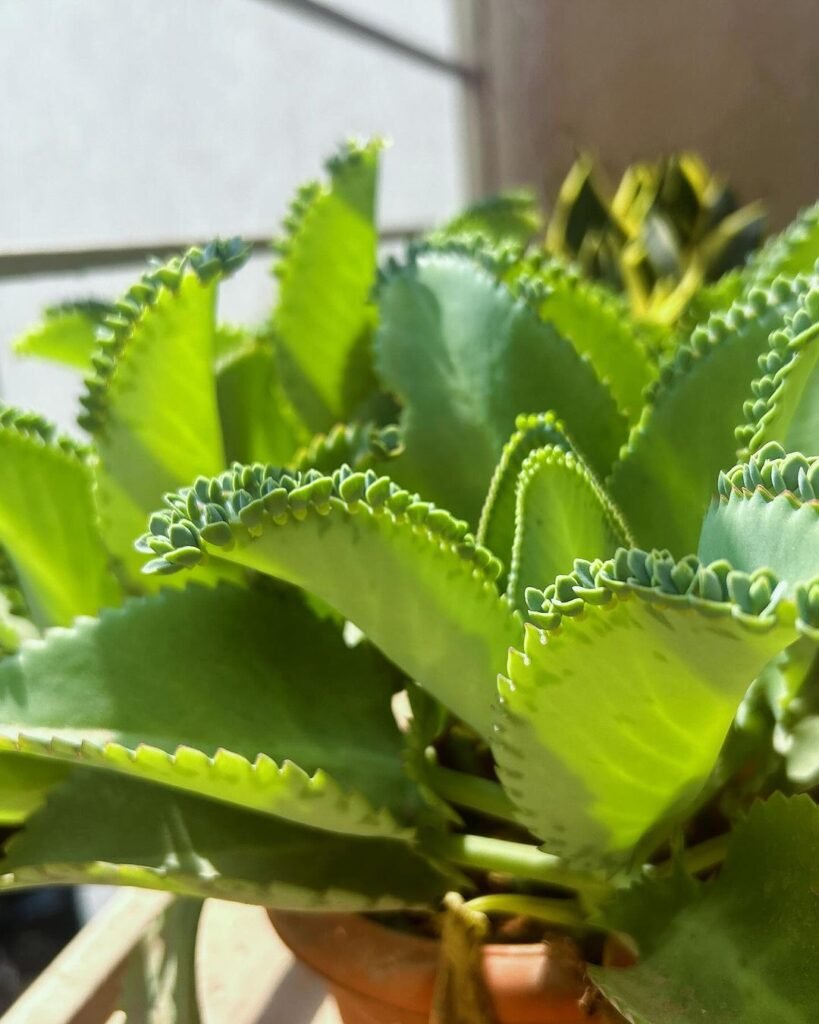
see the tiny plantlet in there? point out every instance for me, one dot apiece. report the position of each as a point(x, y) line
point(583, 549)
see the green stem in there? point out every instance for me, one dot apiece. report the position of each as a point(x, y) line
point(517, 859)
point(702, 857)
point(471, 791)
point(565, 913)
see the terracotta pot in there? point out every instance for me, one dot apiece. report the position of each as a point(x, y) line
point(382, 976)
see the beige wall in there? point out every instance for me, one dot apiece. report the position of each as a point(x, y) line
point(737, 80)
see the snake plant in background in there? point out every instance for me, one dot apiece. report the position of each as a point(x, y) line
point(666, 229)
point(583, 683)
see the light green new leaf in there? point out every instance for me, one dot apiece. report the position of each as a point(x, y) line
point(511, 216)
point(407, 574)
point(785, 402)
point(159, 986)
point(152, 404)
point(562, 514)
point(665, 476)
point(766, 515)
point(614, 712)
point(236, 694)
point(24, 783)
point(258, 422)
point(47, 521)
point(326, 273)
point(68, 333)
point(466, 358)
point(742, 948)
point(496, 528)
point(99, 828)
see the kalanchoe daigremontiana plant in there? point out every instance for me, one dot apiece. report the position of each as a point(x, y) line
point(595, 580)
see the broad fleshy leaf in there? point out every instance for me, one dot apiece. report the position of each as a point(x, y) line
point(784, 406)
point(242, 695)
point(467, 357)
point(99, 828)
point(47, 521)
point(744, 947)
point(151, 404)
point(511, 216)
point(24, 783)
point(766, 516)
point(614, 712)
point(68, 333)
point(407, 574)
point(562, 514)
point(794, 251)
point(326, 272)
point(664, 479)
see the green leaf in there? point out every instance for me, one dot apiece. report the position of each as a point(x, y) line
point(159, 986)
point(359, 445)
point(100, 828)
point(68, 333)
point(466, 357)
point(47, 521)
point(152, 403)
point(794, 251)
point(231, 702)
point(766, 515)
point(562, 514)
point(744, 947)
point(407, 574)
point(496, 528)
point(14, 629)
point(598, 324)
point(24, 783)
point(258, 423)
point(326, 273)
point(784, 406)
point(512, 216)
point(664, 479)
point(614, 712)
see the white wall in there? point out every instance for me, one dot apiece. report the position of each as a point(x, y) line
point(125, 121)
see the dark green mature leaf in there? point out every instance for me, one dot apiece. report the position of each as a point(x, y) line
point(326, 272)
point(152, 403)
point(612, 720)
point(665, 476)
point(47, 521)
point(101, 828)
point(744, 947)
point(68, 333)
point(562, 514)
point(466, 357)
point(236, 694)
point(766, 515)
point(407, 574)
point(160, 978)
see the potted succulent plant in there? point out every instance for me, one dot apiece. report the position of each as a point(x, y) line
point(534, 627)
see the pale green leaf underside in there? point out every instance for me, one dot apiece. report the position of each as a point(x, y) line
point(47, 526)
point(326, 275)
point(402, 571)
point(105, 829)
point(235, 694)
point(757, 530)
point(161, 424)
point(466, 358)
point(562, 514)
point(612, 723)
point(664, 479)
point(743, 948)
point(68, 334)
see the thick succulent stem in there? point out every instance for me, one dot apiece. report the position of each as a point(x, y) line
point(472, 792)
point(565, 913)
